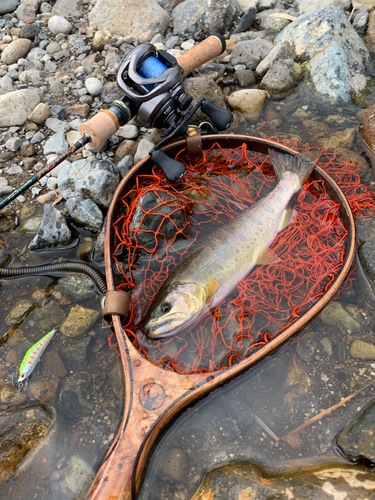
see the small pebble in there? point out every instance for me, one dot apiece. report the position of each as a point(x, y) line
point(58, 24)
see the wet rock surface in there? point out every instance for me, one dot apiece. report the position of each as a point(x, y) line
point(53, 231)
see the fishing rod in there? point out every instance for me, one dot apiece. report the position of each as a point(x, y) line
point(154, 97)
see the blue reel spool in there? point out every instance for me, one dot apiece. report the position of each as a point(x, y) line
point(151, 68)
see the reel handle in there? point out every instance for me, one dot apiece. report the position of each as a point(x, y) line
point(221, 118)
point(210, 48)
point(173, 169)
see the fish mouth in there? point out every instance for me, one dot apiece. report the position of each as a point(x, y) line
point(149, 329)
point(159, 330)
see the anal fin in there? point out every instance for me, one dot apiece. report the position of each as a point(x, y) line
point(288, 217)
point(266, 257)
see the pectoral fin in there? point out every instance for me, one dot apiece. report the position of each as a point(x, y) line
point(288, 216)
point(212, 287)
point(267, 256)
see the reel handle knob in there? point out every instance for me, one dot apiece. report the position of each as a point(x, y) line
point(173, 169)
point(221, 118)
point(210, 48)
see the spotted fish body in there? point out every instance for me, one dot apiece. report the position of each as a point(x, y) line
point(32, 357)
point(212, 271)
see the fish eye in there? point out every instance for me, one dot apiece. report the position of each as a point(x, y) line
point(165, 308)
point(23, 375)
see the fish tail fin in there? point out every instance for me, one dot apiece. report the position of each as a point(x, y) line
point(300, 165)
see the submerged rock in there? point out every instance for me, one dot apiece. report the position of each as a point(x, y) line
point(45, 389)
point(21, 429)
point(362, 350)
point(77, 477)
point(340, 139)
point(334, 314)
point(19, 312)
point(11, 396)
point(76, 352)
point(49, 315)
point(73, 397)
point(156, 218)
point(173, 464)
point(245, 481)
point(366, 254)
point(79, 321)
point(306, 346)
point(357, 441)
point(77, 286)
point(298, 377)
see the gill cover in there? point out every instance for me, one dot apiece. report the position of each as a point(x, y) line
point(178, 308)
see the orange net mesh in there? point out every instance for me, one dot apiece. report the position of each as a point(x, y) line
point(160, 223)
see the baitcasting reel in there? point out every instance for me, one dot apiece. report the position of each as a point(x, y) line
point(154, 97)
point(153, 81)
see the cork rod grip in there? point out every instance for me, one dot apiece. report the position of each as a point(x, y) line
point(210, 48)
point(100, 128)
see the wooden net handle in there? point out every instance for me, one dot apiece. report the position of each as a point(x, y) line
point(210, 48)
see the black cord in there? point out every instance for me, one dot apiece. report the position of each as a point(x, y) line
point(71, 266)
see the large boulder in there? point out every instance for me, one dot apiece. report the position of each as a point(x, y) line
point(198, 19)
point(332, 50)
point(28, 9)
point(307, 5)
point(66, 8)
point(15, 107)
point(130, 18)
point(93, 179)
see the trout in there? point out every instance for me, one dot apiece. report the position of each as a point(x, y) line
point(211, 272)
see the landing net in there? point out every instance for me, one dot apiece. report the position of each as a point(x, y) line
point(160, 223)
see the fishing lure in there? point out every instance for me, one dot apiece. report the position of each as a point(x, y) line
point(31, 359)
